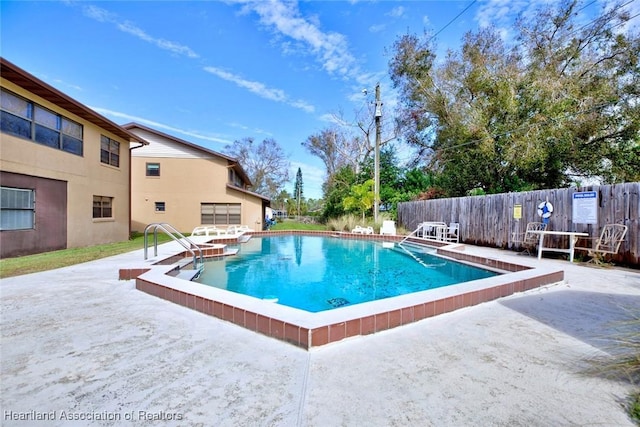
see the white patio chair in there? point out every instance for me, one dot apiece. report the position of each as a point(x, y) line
point(608, 243)
point(453, 233)
point(529, 240)
point(388, 228)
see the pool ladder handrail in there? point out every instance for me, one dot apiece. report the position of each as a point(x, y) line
point(170, 231)
point(412, 255)
point(410, 234)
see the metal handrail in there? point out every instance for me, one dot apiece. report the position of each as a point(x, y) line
point(415, 257)
point(169, 230)
point(410, 234)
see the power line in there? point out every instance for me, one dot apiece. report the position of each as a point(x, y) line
point(586, 6)
point(451, 22)
point(595, 20)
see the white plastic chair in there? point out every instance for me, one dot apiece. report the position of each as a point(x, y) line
point(388, 227)
point(453, 232)
point(362, 230)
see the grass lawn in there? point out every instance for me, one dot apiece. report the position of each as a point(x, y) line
point(49, 260)
point(290, 224)
point(10, 267)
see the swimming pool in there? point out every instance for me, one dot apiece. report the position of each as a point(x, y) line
point(161, 276)
point(318, 273)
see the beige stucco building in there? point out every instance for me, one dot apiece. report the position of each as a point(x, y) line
point(64, 170)
point(185, 185)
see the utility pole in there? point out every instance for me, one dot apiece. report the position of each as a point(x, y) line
point(376, 168)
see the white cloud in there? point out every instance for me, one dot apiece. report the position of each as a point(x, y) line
point(103, 15)
point(259, 89)
point(396, 12)
point(157, 125)
point(69, 85)
point(330, 48)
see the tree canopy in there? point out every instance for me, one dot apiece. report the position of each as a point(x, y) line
point(560, 104)
point(265, 163)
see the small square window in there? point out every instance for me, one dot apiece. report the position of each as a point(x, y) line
point(160, 207)
point(153, 169)
point(102, 207)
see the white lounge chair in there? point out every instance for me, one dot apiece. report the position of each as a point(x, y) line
point(208, 230)
point(362, 230)
point(388, 227)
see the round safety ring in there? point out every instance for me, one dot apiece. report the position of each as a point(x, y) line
point(545, 209)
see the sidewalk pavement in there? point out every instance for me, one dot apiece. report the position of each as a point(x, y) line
point(80, 347)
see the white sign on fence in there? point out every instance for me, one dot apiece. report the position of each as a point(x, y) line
point(585, 207)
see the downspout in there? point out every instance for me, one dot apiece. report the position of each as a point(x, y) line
point(130, 182)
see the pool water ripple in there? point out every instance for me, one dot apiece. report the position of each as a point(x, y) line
point(315, 273)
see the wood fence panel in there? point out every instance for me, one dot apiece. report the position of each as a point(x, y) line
point(488, 220)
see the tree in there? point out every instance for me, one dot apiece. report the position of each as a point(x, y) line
point(360, 198)
point(334, 148)
point(337, 187)
point(298, 191)
point(564, 103)
point(266, 164)
point(390, 175)
point(281, 201)
point(348, 144)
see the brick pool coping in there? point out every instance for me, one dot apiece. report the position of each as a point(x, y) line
point(308, 330)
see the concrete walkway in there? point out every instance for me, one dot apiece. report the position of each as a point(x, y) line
point(81, 348)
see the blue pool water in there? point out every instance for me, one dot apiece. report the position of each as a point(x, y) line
point(321, 273)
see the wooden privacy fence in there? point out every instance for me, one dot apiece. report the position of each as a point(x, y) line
point(490, 220)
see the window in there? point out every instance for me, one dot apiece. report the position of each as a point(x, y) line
point(109, 151)
point(235, 179)
point(220, 213)
point(153, 169)
point(17, 209)
point(28, 120)
point(160, 207)
point(102, 207)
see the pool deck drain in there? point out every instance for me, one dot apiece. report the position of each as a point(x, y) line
point(308, 330)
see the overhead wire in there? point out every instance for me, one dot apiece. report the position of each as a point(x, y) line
point(453, 20)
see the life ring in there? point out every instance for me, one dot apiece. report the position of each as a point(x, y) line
point(545, 209)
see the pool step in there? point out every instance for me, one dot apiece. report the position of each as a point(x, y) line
point(187, 274)
point(244, 238)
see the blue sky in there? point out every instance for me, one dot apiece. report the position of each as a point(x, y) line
point(215, 72)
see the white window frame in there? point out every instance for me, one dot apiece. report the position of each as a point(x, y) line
point(17, 208)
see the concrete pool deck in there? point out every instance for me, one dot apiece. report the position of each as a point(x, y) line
point(77, 343)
